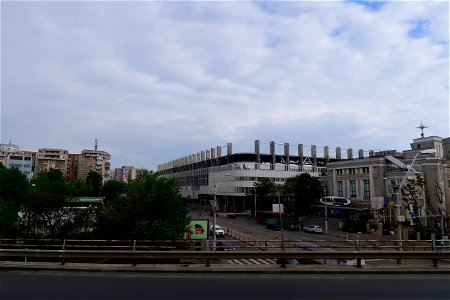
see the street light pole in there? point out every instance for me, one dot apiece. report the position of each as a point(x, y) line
point(255, 203)
point(214, 209)
point(281, 222)
point(400, 217)
point(326, 217)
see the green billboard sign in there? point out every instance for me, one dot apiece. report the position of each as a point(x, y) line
point(197, 230)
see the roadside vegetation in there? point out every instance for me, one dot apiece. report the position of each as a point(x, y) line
point(149, 207)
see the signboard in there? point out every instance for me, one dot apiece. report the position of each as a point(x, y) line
point(278, 208)
point(197, 230)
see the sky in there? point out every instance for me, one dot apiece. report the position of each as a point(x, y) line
point(155, 81)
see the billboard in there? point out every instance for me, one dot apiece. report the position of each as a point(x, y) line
point(197, 230)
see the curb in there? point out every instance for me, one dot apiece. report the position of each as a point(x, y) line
point(223, 268)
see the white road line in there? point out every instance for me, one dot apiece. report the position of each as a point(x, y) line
point(266, 262)
point(255, 261)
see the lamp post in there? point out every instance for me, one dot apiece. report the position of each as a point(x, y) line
point(400, 217)
point(255, 203)
point(214, 208)
point(326, 217)
point(281, 221)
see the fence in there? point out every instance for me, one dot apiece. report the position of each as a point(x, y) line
point(134, 250)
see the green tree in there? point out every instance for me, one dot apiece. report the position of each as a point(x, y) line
point(44, 213)
point(94, 180)
point(14, 192)
point(303, 189)
point(79, 188)
point(412, 192)
point(150, 208)
point(265, 193)
point(112, 189)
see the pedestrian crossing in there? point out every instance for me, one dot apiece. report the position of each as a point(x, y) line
point(251, 261)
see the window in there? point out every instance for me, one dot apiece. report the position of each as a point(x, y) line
point(352, 188)
point(365, 170)
point(339, 172)
point(366, 188)
point(340, 188)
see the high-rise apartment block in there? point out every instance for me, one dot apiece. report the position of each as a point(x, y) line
point(50, 158)
point(73, 166)
point(94, 160)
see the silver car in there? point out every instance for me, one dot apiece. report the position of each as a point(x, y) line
point(313, 229)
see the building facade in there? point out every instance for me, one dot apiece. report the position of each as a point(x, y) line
point(125, 173)
point(374, 182)
point(94, 160)
point(51, 158)
point(6, 149)
point(231, 177)
point(20, 161)
point(72, 166)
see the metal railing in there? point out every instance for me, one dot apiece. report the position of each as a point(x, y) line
point(135, 250)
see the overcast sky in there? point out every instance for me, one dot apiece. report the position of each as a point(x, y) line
point(156, 81)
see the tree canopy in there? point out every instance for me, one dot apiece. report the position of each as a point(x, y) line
point(151, 207)
point(14, 192)
point(304, 189)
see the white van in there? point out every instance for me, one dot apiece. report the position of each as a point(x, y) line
point(335, 201)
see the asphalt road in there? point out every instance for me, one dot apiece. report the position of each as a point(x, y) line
point(67, 285)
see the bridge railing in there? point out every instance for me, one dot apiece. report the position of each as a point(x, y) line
point(142, 251)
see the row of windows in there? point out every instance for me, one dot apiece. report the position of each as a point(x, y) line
point(19, 166)
point(366, 188)
point(17, 157)
point(363, 170)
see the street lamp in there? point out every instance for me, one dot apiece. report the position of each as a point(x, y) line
point(281, 221)
point(214, 208)
point(400, 217)
point(326, 217)
point(255, 202)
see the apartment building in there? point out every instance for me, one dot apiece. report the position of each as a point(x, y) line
point(6, 149)
point(51, 158)
point(94, 160)
point(20, 161)
point(125, 173)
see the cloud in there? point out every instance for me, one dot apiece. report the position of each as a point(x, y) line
point(155, 81)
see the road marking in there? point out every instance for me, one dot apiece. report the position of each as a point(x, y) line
point(251, 261)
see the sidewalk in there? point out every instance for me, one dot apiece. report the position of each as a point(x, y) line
point(225, 268)
point(360, 236)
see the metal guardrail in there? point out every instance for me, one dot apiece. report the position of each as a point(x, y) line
point(135, 254)
point(136, 250)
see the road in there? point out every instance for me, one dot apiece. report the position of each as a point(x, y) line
point(68, 285)
point(331, 243)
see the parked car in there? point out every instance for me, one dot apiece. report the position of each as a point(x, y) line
point(273, 224)
point(231, 216)
point(287, 261)
point(293, 227)
point(225, 246)
point(313, 229)
point(219, 231)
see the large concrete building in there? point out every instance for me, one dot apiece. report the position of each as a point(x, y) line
point(6, 149)
point(125, 174)
point(94, 160)
point(370, 179)
point(73, 166)
point(20, 161)
point(51, 158)
point(375, 182)
point(231, 176)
